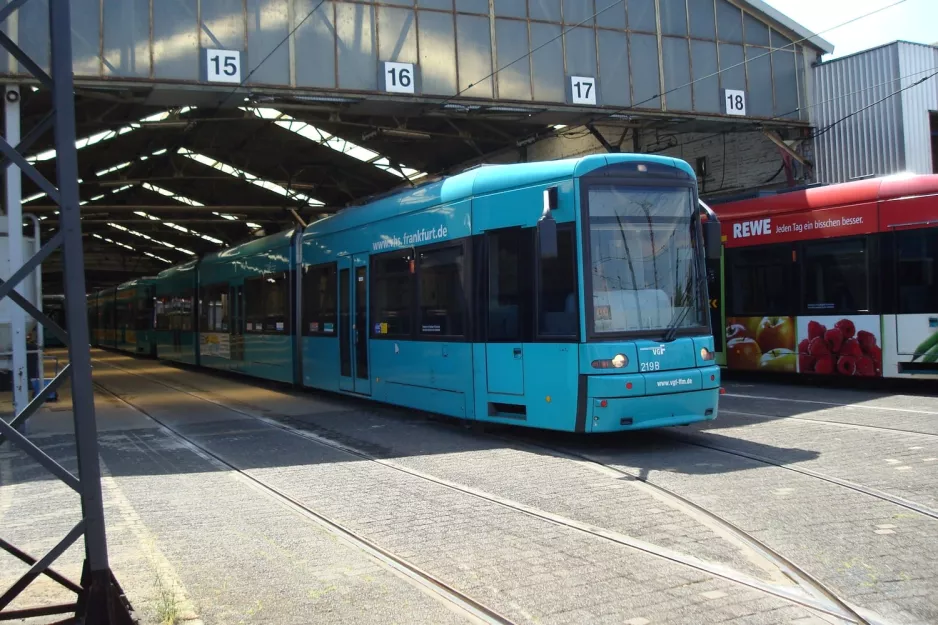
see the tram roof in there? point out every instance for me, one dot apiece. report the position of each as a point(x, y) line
point(135, 282)
point(178, 269)
point(849, 193)
point(480, 181)
point(251, 248)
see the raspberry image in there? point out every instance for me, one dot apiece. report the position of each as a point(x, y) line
point(875, 353)
point(851, 347)
point(806, 363)
point(865, 367)
point(846, 326)
point(846, 365)
point(818, 347)
point(824, 365)
point(867, 340)
point(803, 346)
point(835, 339)
point(816, 330)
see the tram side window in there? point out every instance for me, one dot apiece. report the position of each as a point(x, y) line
point(760, 281)
point(161, 309)
point(254, 304)
point(183, 311)
point(214, 308)
point(442, 292)
point(916, 268)
point(836, 276)
point(510, 284)
point(392, 294)
point(319, 300)
point(144, 317)
point(277, 303)
point(267, 304)
point(557, 305)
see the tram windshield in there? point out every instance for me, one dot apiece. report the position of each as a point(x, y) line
point(643, 259)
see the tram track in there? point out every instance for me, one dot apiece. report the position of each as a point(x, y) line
point(855, 426)
point(866, 490)
point(474, 610)
point(804, 591)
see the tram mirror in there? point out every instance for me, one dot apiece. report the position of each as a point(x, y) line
point(547, 237)
point(713, 239)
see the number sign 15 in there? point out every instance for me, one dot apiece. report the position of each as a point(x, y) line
point(583, 90)
point(399, 77)
point(223, 66)
point(735, 102)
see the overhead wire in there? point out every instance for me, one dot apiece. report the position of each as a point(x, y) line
point(829, 127)
point(275, 48)
point(620, 111)
point(530, 53)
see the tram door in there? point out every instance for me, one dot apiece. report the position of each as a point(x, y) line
point(353, 325)
point(236, 322)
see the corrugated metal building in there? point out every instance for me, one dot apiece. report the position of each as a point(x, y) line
point(865, 126)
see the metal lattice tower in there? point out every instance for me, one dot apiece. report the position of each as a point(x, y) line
point(99, 598)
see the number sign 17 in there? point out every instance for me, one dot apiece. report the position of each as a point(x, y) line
point(583, 89)
point(223, 66)
point(399, 77)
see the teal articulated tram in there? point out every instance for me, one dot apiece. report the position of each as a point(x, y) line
point(567, 295)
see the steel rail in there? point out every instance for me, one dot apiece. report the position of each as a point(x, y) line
point(443, 591)
point(821, 599)
point(858, 426)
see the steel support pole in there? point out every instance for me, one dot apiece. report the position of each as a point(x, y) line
point(95, 603)
point(14, 209)
point(40, 329)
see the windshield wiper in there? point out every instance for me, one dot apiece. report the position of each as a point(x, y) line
point(671, 332)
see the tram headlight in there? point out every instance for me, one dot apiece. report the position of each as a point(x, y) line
point(616, 362)
point(705, 354)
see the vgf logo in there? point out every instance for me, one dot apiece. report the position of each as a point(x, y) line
point(657, 351)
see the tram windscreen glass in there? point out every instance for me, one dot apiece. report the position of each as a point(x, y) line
point(644, 259)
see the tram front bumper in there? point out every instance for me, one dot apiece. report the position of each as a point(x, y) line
point(650, 400)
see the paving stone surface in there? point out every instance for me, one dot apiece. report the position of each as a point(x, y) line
point(524, 567)
point(190, 538)
point(210, 537)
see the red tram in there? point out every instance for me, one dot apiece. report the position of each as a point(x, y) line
point(835, 280)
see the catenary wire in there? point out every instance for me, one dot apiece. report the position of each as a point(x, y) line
point(531, 52)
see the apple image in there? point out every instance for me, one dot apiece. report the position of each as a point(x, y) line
point(778, 360)
point(736, 331)
point(743, 353)
point(752, 325)
point(776, 333)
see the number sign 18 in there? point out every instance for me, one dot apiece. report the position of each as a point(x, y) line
point(223, 66)
point(734, 101)
point(399, 77)
point(583, 90)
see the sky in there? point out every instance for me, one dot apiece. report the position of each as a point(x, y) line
point(913, 20)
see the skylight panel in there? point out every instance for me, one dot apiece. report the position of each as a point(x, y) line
point(255, 180)
point(308, 131)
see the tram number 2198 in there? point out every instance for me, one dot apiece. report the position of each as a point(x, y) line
point(652, 365)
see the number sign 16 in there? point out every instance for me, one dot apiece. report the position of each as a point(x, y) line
point(735, 102)
point(583, 89)
point(223, 66)
point(399, 77)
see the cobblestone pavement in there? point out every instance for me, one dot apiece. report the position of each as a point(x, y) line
point(194, 541)
point(527, 568)
point(213, 536)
